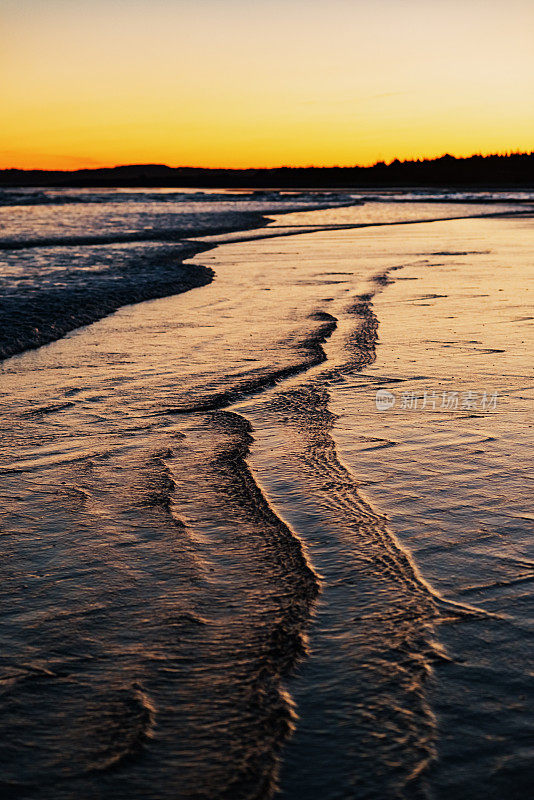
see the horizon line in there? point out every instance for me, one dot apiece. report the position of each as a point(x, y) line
point(381, 163)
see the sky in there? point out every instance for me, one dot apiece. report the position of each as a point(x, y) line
point(262, 83)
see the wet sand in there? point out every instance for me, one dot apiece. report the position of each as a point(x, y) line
point(456, 481)
point(453, 301)
point(200, 495)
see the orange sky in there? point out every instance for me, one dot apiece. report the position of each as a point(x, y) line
point(238, 83)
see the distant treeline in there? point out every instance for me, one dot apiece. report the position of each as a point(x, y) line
point(493, 171)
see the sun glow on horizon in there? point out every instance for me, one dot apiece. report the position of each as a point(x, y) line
point(229, 83)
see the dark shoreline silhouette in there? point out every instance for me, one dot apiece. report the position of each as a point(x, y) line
point(481, 172)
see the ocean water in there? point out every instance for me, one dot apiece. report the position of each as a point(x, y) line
point(71, 257)
point(225, 572)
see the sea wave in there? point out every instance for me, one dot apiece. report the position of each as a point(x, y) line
point(40, 305)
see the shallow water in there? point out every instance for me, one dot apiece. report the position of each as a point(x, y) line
point(193, 508)
point(454, 486)
point(68, 258)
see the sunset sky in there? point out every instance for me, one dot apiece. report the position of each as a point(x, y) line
point(237, 83)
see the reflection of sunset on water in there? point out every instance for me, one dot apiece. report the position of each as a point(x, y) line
point(266, 399)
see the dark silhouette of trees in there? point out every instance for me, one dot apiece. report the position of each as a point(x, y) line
point(512, 170)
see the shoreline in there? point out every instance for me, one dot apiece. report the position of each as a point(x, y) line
point(182, 524)
point(70, 312)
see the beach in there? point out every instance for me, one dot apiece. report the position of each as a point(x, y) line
point(230, 568)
